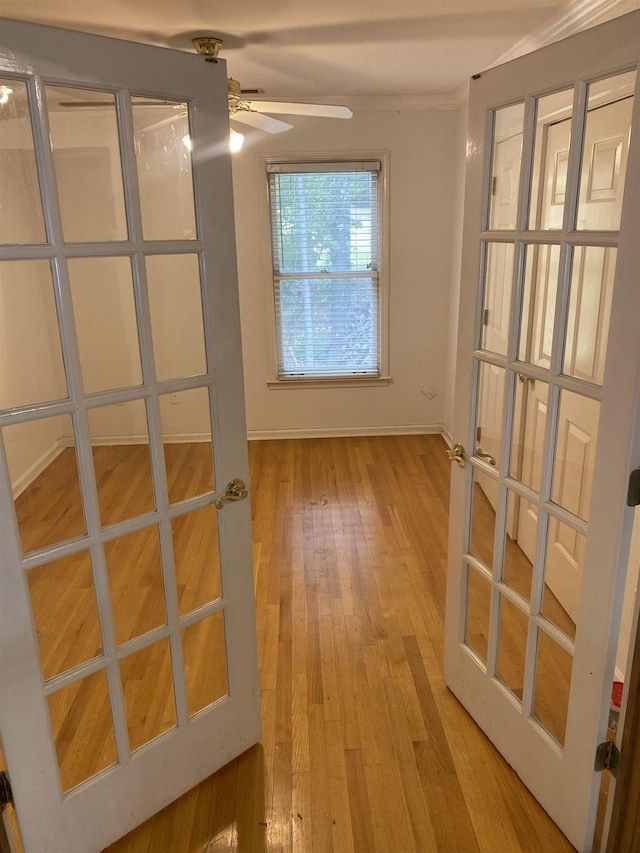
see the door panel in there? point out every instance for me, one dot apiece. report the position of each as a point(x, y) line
point(127, 582)
point(533, 589)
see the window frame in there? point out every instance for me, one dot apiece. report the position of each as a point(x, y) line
point(340, 157)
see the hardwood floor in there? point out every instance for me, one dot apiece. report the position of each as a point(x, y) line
point(364, 749)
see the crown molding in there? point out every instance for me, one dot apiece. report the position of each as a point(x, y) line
point(578, 16)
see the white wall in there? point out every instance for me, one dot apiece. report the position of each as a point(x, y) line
point(422, 152)
point(422, 148)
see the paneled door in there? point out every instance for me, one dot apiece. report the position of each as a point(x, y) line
point(546, 409)
point(128, 667)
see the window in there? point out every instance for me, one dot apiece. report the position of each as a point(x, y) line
point(325, 240)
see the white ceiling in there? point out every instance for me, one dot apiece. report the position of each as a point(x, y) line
point(323, 49)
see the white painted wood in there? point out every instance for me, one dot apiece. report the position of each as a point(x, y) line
point(563, 780)
point(110, 804)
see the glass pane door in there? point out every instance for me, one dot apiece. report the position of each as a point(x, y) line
point(549, 206)
point(116, 439)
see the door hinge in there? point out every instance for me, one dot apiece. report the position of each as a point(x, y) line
point(607, 757)
point(633, 494)
point(485, 317)
point(6, 794)
point(494, 184)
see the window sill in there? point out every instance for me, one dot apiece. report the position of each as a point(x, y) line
point(335, 382)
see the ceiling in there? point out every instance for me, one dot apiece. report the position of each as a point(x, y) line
point(327, 50)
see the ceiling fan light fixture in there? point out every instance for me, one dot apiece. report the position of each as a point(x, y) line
point(235, 141)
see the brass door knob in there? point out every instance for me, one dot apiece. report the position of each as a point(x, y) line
point(484, 455)
point(235, 491)
point(457, 454)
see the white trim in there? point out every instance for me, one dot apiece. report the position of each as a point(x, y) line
point(578, 16)
point(24, 480)
point(333, 382)
point(345, 432)
point(178, 438)
point(447, 436)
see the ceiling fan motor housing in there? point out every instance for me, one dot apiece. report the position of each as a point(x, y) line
point(207, 46)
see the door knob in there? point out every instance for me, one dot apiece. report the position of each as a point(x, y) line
point(235, 491)
point(484, 455)
point(457, 454)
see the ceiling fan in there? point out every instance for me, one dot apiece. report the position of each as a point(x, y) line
point(253, 112)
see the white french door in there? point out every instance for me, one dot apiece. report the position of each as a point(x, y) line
point(546, 407)
point(128, 668)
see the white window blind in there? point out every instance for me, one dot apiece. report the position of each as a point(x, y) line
point(325, 246)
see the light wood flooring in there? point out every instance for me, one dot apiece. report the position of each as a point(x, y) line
point(364, 749)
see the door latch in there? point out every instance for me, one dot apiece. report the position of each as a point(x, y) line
point(235, 491)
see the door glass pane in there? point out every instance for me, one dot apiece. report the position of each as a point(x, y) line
point(489, 417)
point(147, 683)
point(589, 311)
point(163, 154)
point(197, 558)
point(529, 423)
point(86, 154)
point(575, 453)
point(552, 685)
point(484, 501)
point(65, 614)
point(175, 303)
point(82, 729)
point(520, 541)
point(497, 297)
point(604, 155)
point(43, 472)
point(205, 662)
point(135, 583)
point(512, 646)
point(120, 440)
point(188, 453)
point(550, 160)
point(539, 304)
point(30, 350)
point(478, 606)
point(506, 160)
point(105, 317)
point(563, 572)
point(21, 219)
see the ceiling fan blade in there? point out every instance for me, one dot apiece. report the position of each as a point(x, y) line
point(296, 109)
point(261, 122)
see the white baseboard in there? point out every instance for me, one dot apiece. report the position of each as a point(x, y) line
point(178, 438)
point(345, 432)
point(33, 471)
point(447, 436)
